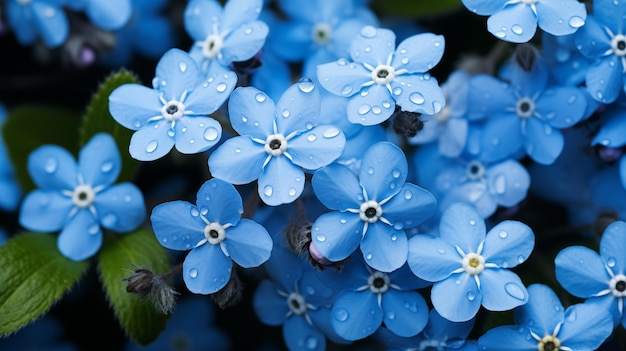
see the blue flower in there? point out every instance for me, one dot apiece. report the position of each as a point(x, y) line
point(371, 211)
point(173, 113)
point(599, 278)
point(224, 35)
point(9, 186)
point(45, 19)
point(277, 142)
point(382, 75)
point(109, 15)
point(469, 265)
point(609, 134)
point(543, 324)
point(516, 21)
point(214, 233)
point(79, 198)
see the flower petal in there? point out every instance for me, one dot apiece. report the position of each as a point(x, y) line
point(373, 46)
point(373, 105)
point(342, 77)
point(336, 235)
point(206, 269)
point(251, 112)
point(269, 306)
point(405, 312)
point(515, 338)
point(210, 95)
point(502, 290)
point(219, 202)
point(177, 225)
point(462, 226)
point(317, 147)
point(613, 247)
point(99, 161)
point(410, 207)
point(132, 105)
point(196, 134)
point(509, 182)
point(585, 327)
point(176, 73)
point(456, 298)
point(383, 171)
point(499, 24)
point(109, 15)
point(604, 79)
point(501, 137)
point(151, 142)
point(567, 114)
point(298, 107)
point(543, 312)
point(543, 143)
point(508, 244)
point(238, 12)
point(281, 182)
point(239, 160)
point(248, 243)
point(244, 42)
point(197, 24)
point(120, 207)
point(81, 237)
point(384, 248)
point(484, 8)
point(44, 210)
point(356, 315)
point(337, 187)
point(432, 258)
point(52, 22)
point(300, 335)
point(419, 53)
point(52, 167)
point(581, 271)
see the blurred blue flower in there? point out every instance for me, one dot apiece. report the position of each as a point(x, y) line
point(382, 75)
point(46, 334)
point(31, 20)
point(224, 35)
point(543, 324)
point(610, 135)
point(109, 15)
point(277, 142)
point(567, 65)
point(174, 112)
point(469, 265)
point(370, 211)
point(516, 21)
point(79, 198)
point(9, 186)
point(599, 278)
point(214, 233)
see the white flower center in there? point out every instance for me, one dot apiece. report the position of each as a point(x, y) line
point(173, 110)
point(475, 170)
point(383, 74)
point(617, 284)
point(83, 196)
point(370, 211)
point(378, 282)
point(296, 303)
point(525, 107)
point(275, 144)
point(618, 44)
point(549, 343)
point(214, 233)
point(212, 46)
point(473, 263)
point(529, 2)
point(321, 33)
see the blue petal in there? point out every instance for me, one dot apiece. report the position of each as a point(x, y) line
point(239, 12)
point(53, 167)
point(592, 40)
point(543, 312)
point(132, 105)
point(585, 327)
point(372, 106)
point(613, 246)
point(244, 42)
point(337, 235)
point(604, 79)
point(248, 243)
point(489, 96)
point(508, 244)
point(611, 131)
point(200, 17)
point(515, 338)
point(298, 108)
point(418, 93)
point(219, 202)
point(120, 207)
point(109, 15)
point(566, 115)
point(44, 210)
point(51, 21)
point(373, 46)
point(281, 182)
point(238, 160)
point(269, 306)
point(316, 147)
point(502, 137)
point(502, 290)
point(561, 17)
point(196, 134)
point(484, 8)
point(209, 96)
point(294, 41)
point(342, 77)
point(337, 187)
point(383, 171)
point(508, 182)
point(453, 138)
point(410, 207)
point(284, 268)
point(543, 143)
point(432, 258)
point(206, 269)
point(81, 237)
point(251, 112)
point(151, 142)
point(462, 226)
point(177, 225)
point(516, 23)
point(356, 315)
point(99, 161)
point(443, 329)
point(405, 312)
point(405, 279)
point(300, 335)
point(176, 73)
point(419, 53)
point(581, 271)
point(384, 248)
point(20, 22)
point(457, 298)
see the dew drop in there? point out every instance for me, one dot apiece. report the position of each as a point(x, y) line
point(292, 192)
point(343, 221)
point(404, 60)
point(517, 29)
point(576, 22)
point(395, 173)
point(610, 262)
point(514, 290)
point(260, 97)
point(377, 110)
point(521, 259)
point(286, 113)
point(194, 212)
point(370, 170)
point(321, 238)
point(221, 87)
point(346, 90)
point(171, 133)
point(408, 194)
point(369, 256)
point(416, 98)
point(472, 222)
point(182, 66)
point(310, 343)
point(457, 282)
point(238, 150)
point(109, 220)
point(152, 146)
point(306, 85)
point(51, 165)
point(397, 91)
point(311, 137)
point(244, 119)
point(211, 134)
point(93, 229)
point(441, 251)
point(268, 190)
point(193, 273)
point(503, 234)
point(342, 62)
point(500, 184)
point(331, 132)
point(471, 296)
point(437, 106)
point(365, 108)
point(368, 32)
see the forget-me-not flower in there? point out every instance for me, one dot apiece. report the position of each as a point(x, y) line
point(382, 75)
point(469, 265)
point(543, 324)
point(517, 20)
point(174, 112)
point(31, 20)
point(277, 142)
point(214, 234)
point(370, 211)
point(598, 277)
point(80, 198)
point(224, 35)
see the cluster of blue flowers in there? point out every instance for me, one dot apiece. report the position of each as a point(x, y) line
point(360, 193)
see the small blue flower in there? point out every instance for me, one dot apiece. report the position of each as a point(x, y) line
point(79, 198)
point(31, 20)
point(371, 211)
point(382, 76)
point(277, 142)
point(516, 21)
point(214, 232)
point(109, 15)
point(469, 265)
point(224, 35)
point(543, 324)
point(599, 278)
point(174, 112)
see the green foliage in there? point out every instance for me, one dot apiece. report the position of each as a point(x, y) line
point(415, 8)
point(33, 277)
point(119, 256)
point(31, 126)
point(98, 119)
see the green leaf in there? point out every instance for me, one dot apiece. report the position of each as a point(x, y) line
point(119, 255)
point(33, 277)
point(97, 119)
point(415, 8)
point(31, 126)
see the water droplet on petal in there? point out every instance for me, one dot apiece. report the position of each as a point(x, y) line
point(576, 22)
point(310, 343)
point(194, 212)
point(109, 220)
point(517, 29)
point(331, 132)
point(369, 256)
point(610, 262)
point(292, 192)
point(416, 98)
point(221, 87)
point(343, 221)
point(521, 259)
point(182, 66)
point(472, 222)
point(370, 170)
point(514, 290)
point(152, 146)
point(368, 32)
point(503, 234)
point(321, 238)
point(408, 194)
point(471, 296)
point(268, 190)
point(260, 97)
point(193, 273)
point(365, 108)
point(305, 84)
point(51, 165)
point(341, 315)
point(346, 90)
point(211, 134)
point(93, 229)
point(286, 113)
point(441, 251)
